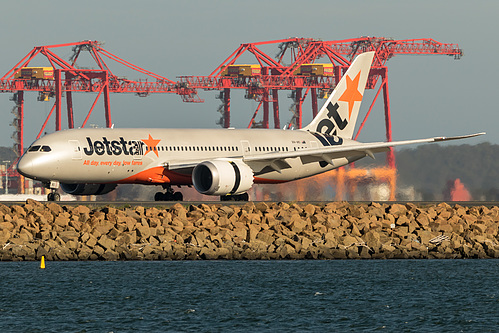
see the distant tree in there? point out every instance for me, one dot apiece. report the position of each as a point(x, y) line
point(430, 167)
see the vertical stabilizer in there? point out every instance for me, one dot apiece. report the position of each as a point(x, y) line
point(339, 114)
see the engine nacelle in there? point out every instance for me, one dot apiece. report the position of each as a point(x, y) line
point(221, 177)
point(88, 189)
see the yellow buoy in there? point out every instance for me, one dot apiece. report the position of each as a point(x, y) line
point(42, 263)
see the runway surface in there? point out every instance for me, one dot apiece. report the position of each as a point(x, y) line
point(168, 204)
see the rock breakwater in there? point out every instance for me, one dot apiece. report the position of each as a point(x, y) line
point(337, 230)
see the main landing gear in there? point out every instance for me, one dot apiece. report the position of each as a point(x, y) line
point(169, 195)
point(237, 197)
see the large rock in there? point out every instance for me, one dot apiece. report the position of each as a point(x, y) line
point(266, 236)
point(7, 226)
point(106, 243)
point(54, 208)
point(397, 210)
point(285, 251)
point(4, 236)
point(297, 224)
point(372, 239)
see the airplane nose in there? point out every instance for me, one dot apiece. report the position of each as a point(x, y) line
point(25, 167)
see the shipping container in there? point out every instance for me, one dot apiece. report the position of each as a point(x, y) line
point(35, 73)
point(315, 70)
point(242, 70)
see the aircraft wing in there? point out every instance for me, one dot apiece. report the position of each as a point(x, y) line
point(276, 160)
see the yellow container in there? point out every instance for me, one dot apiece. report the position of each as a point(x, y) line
point(242, 70)
point(315, 70)
point(46, 73)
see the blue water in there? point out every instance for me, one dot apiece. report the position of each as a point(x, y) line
point(252, 296)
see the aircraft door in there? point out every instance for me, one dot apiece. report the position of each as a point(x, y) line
point(246, 147)
point(75, 146)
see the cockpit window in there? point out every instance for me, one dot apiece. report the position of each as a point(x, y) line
point(46, 149)
point(34, 148)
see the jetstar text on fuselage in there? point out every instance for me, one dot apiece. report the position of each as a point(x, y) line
point(114, 147)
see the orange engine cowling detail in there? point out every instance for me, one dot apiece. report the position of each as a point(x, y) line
point(222, 177)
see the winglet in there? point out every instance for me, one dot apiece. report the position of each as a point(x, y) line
point(443, 138)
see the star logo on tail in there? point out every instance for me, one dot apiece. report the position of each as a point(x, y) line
point(151, 145)
point(351, 93)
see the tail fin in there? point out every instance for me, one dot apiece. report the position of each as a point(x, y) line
point(339, 114)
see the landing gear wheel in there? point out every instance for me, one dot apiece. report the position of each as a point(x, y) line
point(169, 196)
point(53, 196)
point(178, 196)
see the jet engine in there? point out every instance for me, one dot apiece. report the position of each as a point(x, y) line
point(88, 189)
point(221, 177)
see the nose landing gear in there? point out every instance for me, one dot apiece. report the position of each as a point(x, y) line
point(53, 195)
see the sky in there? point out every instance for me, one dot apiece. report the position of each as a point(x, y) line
point(429, 95)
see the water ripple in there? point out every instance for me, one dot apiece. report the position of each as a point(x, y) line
point(296, 296)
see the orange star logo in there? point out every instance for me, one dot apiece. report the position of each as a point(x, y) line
point(151, 145)
point(351, 94)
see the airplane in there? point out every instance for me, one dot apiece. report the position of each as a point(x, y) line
point(218, 162)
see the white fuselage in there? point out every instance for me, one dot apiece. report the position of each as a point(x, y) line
point(144, 155)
